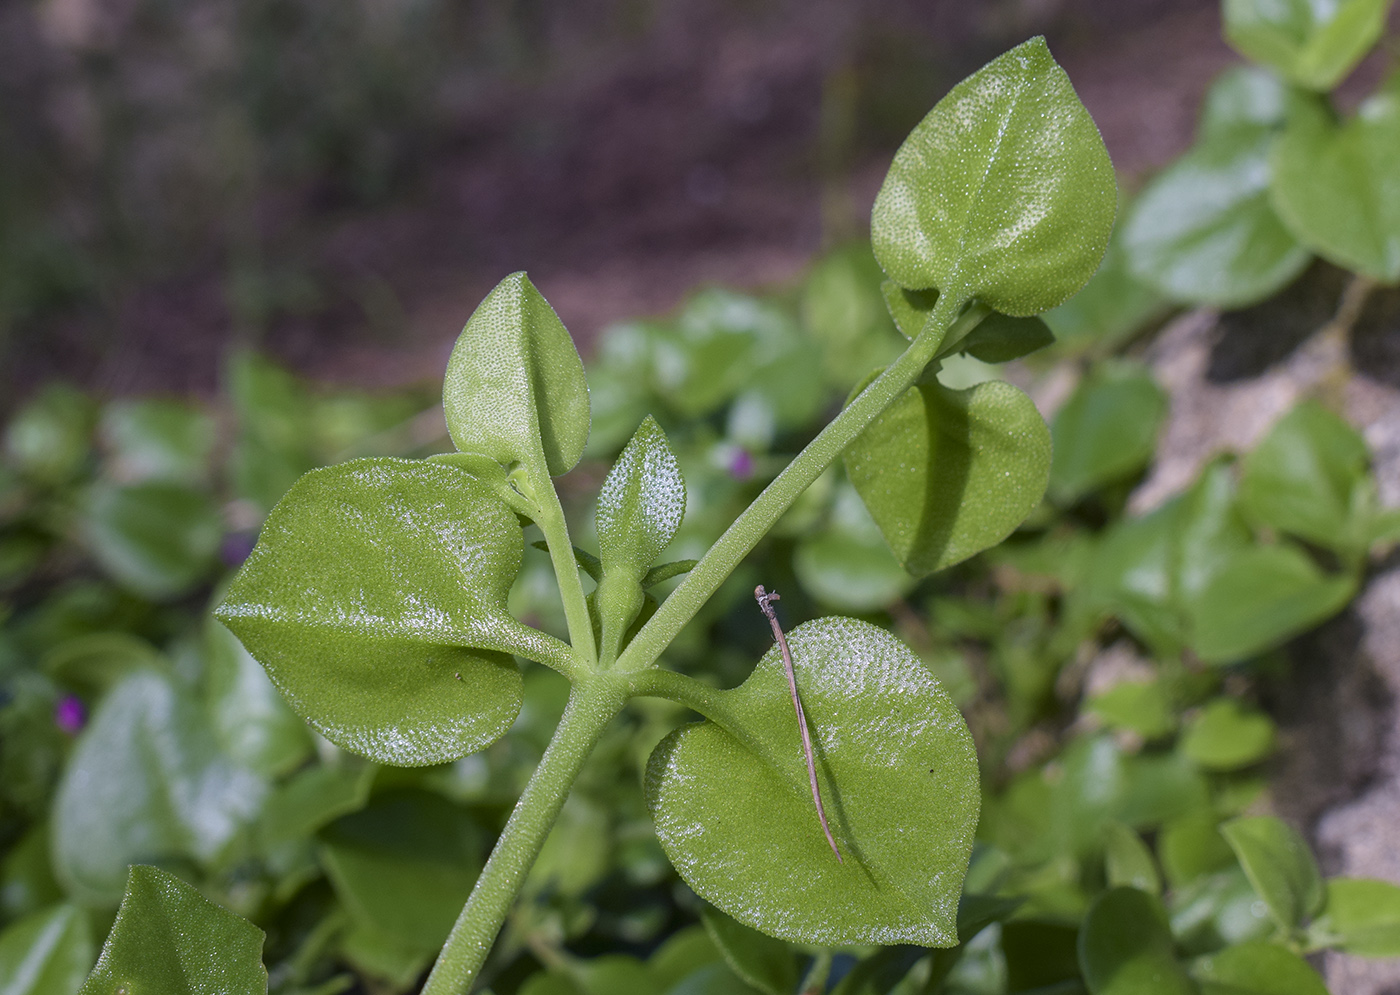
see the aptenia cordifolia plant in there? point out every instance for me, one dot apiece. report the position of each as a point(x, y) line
point(376, 595)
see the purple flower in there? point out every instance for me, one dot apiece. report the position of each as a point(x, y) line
point(741, 464)
point(70, 715)
point(235, 548)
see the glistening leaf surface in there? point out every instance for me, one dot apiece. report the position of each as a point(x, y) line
point(170, 940)
point(641, 503)
point(376, 599)
point(1004, 191)
point(515, 388)
point(948, 473)
point(899, 781)
point(1337, 188)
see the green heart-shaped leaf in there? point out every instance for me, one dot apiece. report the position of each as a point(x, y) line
point(1204, 232)
point(898, 771)
point(948, 473)
point(168, 938)
point(515, 389)
point(1313, 44)
point(376, 599)
point(1004, 191)
point(1279, 866)
point(1337, 188)
point(1225, 736)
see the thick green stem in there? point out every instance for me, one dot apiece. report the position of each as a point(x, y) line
point(778, 496)
point(592, 705)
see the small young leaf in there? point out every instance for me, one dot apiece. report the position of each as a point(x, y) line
point(1258, 598)
point(1203, 231)
point(170, 938)
point(763, 962)
point(641, 504)
point(376, 599)
point(1226, 737)
point(145, 781)
point(734, 810)
point(46, 953)
point(1106, 430)
point(1256, 968)
point(1362, 917)
point(515, 389)
point(948, 473)
point(1004, 191)
point(640, 508)
point(1125, 947)
point(1336, 188)
point(1280, 867)
point(1127, 860)
point(1313, 44)
point(665, 571)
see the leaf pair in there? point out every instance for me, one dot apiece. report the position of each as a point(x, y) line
point(1003, 193)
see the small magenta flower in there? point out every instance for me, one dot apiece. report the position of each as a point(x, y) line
point(70, 715)
point(741, 464)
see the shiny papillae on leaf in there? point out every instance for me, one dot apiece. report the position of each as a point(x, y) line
point(948, 473)
point(1004, 191)
point(515, 389)
point(376, 599)
point(899, 781)
point(168, 938)
point(641, 503)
